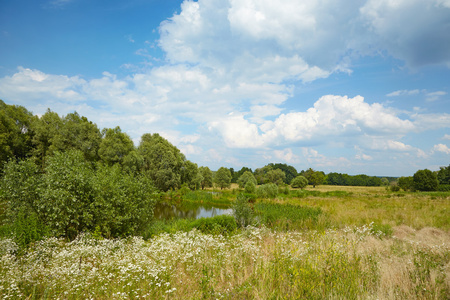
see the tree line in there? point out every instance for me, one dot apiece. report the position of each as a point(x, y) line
point(65, 175)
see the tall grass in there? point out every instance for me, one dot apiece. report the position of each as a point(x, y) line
point(348, 263)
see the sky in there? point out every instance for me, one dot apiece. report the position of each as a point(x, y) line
point(347, 86)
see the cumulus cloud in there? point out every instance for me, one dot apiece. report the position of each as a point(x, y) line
point(287, 155)
point(441, 148)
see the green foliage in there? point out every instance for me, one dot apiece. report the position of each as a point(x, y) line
point(246, 177)
point(123, 203)
point(206, 177)
point(314, 177)
point(222, 178)
point(71, 197)
point(268, 190)
point(115, 146)
point(15, 132)
point(425, 180)
point(406, 183)
point(222, 224)
point(276, 176)
point(162, 161)
point(27, 229)
point(289, 171)
point(299, 182)
point(285, 216)
point(190, 175)
point(216, 225)
point(357, 180)
point(443, 175)
point(250, 187)
point(242, 211)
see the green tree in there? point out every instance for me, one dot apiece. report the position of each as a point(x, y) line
point(46, 128)
point(239, 173)
point(115, 146)
point(444, 175)
point(406, 183)
point(222, 178)
point(15, 132)
point(206, 177)
point(276, 176)
point(78, 133)
point(247, 176)
point(250, 187)
point(162, 161)
point(314, 177)
point(425, 180)
point(290, 171)
point(190, 175)
point(299, 182)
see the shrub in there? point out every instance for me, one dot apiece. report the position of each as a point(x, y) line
point(425, 180)
point(269, 190)
point(216, 225)
point(250, 187)
point(242, 211)
point(299, 182)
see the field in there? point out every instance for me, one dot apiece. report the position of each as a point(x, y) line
point(324, 243)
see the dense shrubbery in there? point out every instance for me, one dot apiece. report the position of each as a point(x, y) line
point(71, 195)
point(268, 190)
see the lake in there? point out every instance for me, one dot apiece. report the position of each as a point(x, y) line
point(189, 211)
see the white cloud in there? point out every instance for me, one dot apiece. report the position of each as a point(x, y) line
point(441, 148)
point(433, 96)
point(287, 155)
point(403, 92)
point(446, 137)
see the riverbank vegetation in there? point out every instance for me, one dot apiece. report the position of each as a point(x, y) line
point(77, 221)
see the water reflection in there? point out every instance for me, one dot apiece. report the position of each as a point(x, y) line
point(190, 211)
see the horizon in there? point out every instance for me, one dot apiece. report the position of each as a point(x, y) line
point(351, 87)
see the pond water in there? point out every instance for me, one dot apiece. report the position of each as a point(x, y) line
point(191, 211)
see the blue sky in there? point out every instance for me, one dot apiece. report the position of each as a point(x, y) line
point(349, 86)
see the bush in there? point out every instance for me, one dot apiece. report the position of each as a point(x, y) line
point(425, 180)
point(71, 197)
point(242, 211)
point(269, 190)
point(299, 182)
point(250, 187)
point(216, 225)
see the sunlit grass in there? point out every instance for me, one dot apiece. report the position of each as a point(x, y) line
point(258, 263)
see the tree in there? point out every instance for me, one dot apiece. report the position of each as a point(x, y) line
point(45, 130)
point(290, 171)
point(222, 178)
point(190, 175)
point(444, 175)
point(299, 182)
point(15, 132)
point(162, 161)
point(276, 176)
point(115, 146)
point(425, 180)
point(239, 173)
point(406, 183)
point(314, 177)
point(245, 178)
point(207, 177)
point(78, 133)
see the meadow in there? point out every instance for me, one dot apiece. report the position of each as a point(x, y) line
point(327, 242)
